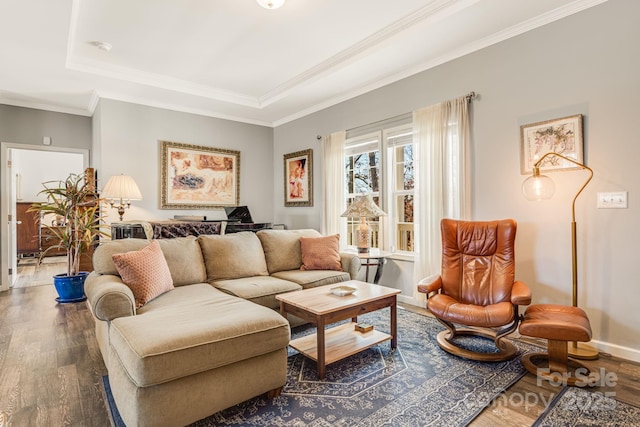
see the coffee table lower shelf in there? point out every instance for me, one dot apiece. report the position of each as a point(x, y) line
point(340, 342)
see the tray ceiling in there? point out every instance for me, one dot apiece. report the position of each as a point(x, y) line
point(233, 59)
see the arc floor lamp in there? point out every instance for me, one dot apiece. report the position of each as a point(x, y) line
point(541, 187)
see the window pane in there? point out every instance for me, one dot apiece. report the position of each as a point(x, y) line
point(363, 172)
point(404, 227)
point(405, 237)
point(408, 167)
point(407, 212)
point(349, 174)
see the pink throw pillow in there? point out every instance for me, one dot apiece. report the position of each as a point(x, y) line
point(321, 253)
point(145, 271)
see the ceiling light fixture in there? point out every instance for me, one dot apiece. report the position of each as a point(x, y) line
point(271, 4)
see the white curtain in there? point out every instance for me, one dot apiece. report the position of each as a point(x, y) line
point(333, 186)
point(442, 189)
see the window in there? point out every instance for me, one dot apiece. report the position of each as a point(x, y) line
point(380, 163)
point(399, 143)
point(362, 167)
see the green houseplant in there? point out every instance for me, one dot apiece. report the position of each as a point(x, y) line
point(74, 204)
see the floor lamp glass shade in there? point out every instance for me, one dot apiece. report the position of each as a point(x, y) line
point(363, 207)
point(120, 190)
point(538, 187)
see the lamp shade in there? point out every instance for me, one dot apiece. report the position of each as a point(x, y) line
point(121, 187)
point(538, 187)
point(363, 207)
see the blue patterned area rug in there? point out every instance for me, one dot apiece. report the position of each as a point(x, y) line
point(418, 384)
point(575, 406)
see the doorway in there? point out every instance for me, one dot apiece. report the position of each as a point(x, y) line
point(24, 169)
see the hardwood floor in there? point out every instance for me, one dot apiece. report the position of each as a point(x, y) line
point(30, 273)
point(50, 365)
point(51, 368)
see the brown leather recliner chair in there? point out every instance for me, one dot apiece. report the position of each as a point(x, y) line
point(476, 287)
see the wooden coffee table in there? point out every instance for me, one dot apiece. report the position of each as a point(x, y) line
point(321, 307)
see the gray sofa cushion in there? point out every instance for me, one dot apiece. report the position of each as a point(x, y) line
point(196, 324)
point(183, 256)
point(233, 256)
point(282, 248)
point(258, 289)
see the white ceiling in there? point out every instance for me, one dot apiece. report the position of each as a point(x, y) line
point(233, 59)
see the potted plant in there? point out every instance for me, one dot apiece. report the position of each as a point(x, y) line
point(76, 227)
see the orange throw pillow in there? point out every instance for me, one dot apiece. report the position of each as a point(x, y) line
point(321, 253)
point(145, 271)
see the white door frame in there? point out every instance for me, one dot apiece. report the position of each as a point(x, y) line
point(7, 256)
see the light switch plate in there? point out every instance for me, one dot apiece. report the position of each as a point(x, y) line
point(614, 200)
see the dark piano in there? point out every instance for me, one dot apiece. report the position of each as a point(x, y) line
point(239, 219)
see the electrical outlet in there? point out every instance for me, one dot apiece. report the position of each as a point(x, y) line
point(616, 200)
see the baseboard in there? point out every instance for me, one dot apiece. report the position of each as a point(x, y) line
point(619, 351)
point(410, 300)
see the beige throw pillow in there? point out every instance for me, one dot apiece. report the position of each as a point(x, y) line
point(144, 271)
point(233, 256)
point(321, 253)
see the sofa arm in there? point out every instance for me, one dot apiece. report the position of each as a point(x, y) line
point(108, 297)
point(351, 264)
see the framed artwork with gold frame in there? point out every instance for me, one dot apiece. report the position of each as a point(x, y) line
point(298, 178)
point(198, 177)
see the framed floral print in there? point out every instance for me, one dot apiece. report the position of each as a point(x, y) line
point(562, 136)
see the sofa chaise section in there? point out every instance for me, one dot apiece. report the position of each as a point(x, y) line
point(194, 355)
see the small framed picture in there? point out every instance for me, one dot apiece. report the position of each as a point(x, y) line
point(562, 136)
point(298, 178)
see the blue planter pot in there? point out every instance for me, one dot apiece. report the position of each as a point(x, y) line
point(70, 288)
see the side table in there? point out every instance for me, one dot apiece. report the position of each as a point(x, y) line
point(374, 258)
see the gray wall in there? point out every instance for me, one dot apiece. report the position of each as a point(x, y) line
point(126, 141)
point(584, 64)
point(27, 126)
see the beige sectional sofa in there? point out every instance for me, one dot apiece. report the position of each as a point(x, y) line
point(216, 339)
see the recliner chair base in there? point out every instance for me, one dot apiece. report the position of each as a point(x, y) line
point(506, 348)
point(571, 372)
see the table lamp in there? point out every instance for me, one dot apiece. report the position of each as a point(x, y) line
point(541, 187)
point(121, 189)
point(363, 207)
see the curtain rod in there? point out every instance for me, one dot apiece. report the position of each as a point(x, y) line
point(470, 97)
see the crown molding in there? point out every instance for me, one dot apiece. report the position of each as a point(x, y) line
point(46, 107)
point(181, 108)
